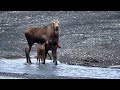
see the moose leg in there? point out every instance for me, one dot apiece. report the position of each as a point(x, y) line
point(45, 55)
point(54, 53)
point(37, 58)
point(27, 51)
point(27, 54)
point(43, 58)
point(30, 46)
point(49, 56)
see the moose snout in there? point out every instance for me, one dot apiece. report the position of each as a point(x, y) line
point(56, 28)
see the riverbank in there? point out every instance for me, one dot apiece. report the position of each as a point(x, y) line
point(94, 57)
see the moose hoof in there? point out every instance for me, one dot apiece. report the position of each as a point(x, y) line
point(29, 63)
point(43, 62)
point(55, 62)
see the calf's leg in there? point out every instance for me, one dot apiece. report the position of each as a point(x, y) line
point(45, 55)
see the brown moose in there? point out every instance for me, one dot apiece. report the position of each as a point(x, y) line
point(48, 34)
point(41, 52)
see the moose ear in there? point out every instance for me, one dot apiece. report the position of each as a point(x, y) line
point(57, 21)
point(52, 21)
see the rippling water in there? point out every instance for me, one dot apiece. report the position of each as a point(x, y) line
point(49, 69)
point(7, 77)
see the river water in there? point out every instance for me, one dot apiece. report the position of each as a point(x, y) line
point(49, 69)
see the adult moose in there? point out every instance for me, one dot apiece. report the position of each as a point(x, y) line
point(43, 34)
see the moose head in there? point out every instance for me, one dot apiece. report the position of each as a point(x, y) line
point(55, 24)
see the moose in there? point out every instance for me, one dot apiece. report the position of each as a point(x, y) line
point(48, 34)
point(41, 52)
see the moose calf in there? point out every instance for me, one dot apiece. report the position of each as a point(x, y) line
point(41, 52)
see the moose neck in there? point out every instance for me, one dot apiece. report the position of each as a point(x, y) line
point(51, 29)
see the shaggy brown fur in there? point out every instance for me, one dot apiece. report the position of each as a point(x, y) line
point(41, 52)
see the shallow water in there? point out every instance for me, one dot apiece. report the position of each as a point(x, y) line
point(7, 77)
point(49, 69)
